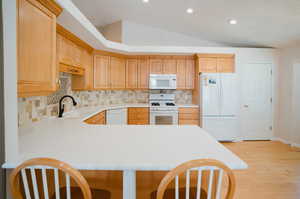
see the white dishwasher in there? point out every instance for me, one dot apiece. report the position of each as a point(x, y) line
point(116, 116)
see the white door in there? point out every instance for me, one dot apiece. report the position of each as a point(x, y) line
point(295, 136)
point(256, 93)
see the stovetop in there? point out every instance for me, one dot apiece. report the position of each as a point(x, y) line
point(159, 102)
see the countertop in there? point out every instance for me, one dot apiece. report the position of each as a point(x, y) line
point(118, 147)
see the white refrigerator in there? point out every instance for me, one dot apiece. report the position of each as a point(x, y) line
point(220, 105)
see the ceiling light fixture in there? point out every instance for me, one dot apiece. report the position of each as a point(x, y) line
point(232, 21)
point(146, 1)
point(190, 10)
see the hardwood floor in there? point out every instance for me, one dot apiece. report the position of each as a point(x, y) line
point(274, 172)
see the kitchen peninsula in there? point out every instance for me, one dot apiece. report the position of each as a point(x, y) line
point(119, 147)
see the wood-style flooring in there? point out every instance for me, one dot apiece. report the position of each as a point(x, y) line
point(274, 173)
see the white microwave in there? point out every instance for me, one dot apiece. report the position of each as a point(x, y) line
point(157, 81)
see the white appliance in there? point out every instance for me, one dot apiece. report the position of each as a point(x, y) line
point(163, 110)
point(116, 116)
point(220, 105)
point(166, 81)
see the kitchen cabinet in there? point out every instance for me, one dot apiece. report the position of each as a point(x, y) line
point(132, 73)
point(181, 74)
point(185, 73)
point(99, 118)
point(190, 74)
point(225, 65)
point(156, 66)
point(37, 69)
point(84, 82)
point(188, 116)
point(75, 57)
point(169, 66)
point(138, 116)
point(101, 72)
point(143, 73)
point(216, 63)
point(116, 116)
point(117, 73)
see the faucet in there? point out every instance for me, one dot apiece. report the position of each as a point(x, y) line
point(62, 106)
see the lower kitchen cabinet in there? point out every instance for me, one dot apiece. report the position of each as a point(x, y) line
point(99, 118)
point(138, 116)
point(188, 116)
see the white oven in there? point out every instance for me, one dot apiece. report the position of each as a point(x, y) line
point(165, 81)
point(163, 117)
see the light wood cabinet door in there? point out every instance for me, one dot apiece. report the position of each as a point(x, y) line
point(138, 116)
point(132, 73)
point(84, 82)
point(117, 73)
point(190, 74)
point(101, 72)
point(208, 65)
point(37, 69)
point(99, 118)
point(143, 74)
point(76, 55)
point(181, 74)
point(225, 65)
point(189, 116)
point(156, 66)
point(169, 66)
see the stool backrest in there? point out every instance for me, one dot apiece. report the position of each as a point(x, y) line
point(200, 166)
point(27, 172)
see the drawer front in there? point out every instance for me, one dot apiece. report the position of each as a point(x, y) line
point(189, 110)
point(189, 116)
point(188, 122)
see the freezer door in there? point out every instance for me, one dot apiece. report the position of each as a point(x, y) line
point(228, 94)
point(210, 94)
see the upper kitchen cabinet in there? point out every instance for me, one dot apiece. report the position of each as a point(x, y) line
point(143, 73)
point(132, 73)
point(117, 73)
point(185, 73)
point(101, 72)
point(156, 66)
point(137, 73)
point(181, 74)
point(169, 66)
point(74, 56)
point(216, 63)
point(190, 74)
point(84, 82)
point(37, 71)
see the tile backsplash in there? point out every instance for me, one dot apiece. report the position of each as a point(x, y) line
point(33, 109)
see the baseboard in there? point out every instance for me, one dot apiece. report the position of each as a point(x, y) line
point(286, 142)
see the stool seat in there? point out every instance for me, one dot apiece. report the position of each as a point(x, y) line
point(170, 193)
point(77, 194)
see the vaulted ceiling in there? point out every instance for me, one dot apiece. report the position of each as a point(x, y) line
point(261, 23)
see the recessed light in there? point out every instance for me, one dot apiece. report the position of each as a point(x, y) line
point(190, 10)
point(146, 1)
point(232, 21)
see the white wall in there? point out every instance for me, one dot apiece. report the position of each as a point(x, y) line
point(112, 32)
point(138, 34)
point(288, 57)
point(10, 79)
